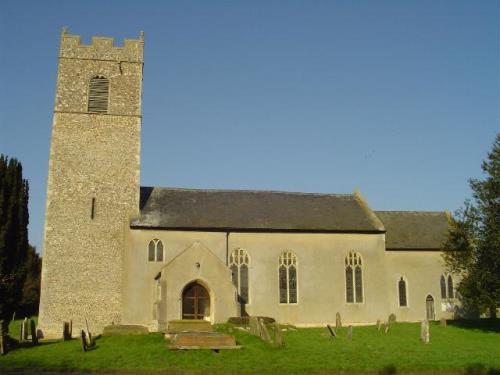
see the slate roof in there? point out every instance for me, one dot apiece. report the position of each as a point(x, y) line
point(190, 209)
point(417, 230)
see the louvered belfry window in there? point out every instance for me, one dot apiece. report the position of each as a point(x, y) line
point(98, 95)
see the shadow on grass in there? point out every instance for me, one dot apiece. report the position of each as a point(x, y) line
point(486, 325)
point(480, 369)
point(388, 370)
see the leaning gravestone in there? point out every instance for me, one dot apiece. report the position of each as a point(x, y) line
point(349, 332)
point(278, 336)
point(443, 322)
point(391, 319)
point(264, 332)
point(424, 331)
point(338, 321)
point(379, 325)
point(387, 327)
point(332, 331)
point(254, 326)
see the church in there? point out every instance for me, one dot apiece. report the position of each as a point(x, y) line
point(116, 252)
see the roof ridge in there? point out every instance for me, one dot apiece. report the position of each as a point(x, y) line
point(250, 191)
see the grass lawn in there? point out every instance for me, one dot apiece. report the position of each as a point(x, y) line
point(454, 349)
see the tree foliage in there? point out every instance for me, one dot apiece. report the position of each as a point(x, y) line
point(472, 248)
point(19, 262)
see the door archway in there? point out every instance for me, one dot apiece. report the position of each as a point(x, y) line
point(195, 302)
point(429, 308)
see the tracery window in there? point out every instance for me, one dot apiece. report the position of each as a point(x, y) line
point(98, 95)
point(354, 277)
point(239, 262)
point(446, 283)
point(288, 277)
point(155, 250)
point(403, 302)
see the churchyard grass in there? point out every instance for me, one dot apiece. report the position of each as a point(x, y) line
point(452, 349)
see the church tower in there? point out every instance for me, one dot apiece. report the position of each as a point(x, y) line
point(93, 182)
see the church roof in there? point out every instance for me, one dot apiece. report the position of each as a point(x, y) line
point(414, 230)
point(190, 209)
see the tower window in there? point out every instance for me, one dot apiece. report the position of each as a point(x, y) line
point(98, 95)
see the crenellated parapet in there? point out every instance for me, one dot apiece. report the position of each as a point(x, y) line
point(101, 48)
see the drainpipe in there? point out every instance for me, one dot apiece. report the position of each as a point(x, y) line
point(227, 249)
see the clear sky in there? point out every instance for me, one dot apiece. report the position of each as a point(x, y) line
point(399, 99)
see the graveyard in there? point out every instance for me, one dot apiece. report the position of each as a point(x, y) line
point(471, 347)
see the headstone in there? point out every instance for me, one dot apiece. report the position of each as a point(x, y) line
point(278, 336)
point(379, 325)
point(424, 331)
point(3, 338)
point(34, 338)
point(84, 340)
point(391, 319)
point(387, 327)
point(349, 332)
point(25, 329)
point(66, 331)
point(332, 331)
point(264, 332)
point(338, 321)
point(443, 322)
point(254, 326)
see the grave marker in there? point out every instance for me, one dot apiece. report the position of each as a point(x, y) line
point(338, 321)
point(349, 332)
point(424, 332)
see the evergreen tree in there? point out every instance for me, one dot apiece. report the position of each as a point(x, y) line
point(473, 245)
point(14, 247)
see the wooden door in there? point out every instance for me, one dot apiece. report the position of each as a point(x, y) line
point(195, 302)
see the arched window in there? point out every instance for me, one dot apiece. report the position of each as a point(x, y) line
point(451, 295)
point(288, 277)
point(354, 277)
point(239, 262)
point(442, 282)
point(98, 95)
point(403, 302)
point(155, 250)
point(446, 283)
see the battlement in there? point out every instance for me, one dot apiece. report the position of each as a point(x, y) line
point(101, 48)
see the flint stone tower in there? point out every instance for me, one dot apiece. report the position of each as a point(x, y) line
point(93, 182)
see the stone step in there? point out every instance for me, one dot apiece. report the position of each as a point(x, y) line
point(186, 325)
point(203, 340)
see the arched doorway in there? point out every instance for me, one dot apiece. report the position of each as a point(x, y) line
point(429, 308)
point(195, 302)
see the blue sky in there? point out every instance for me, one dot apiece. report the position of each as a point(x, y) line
point(399, 99)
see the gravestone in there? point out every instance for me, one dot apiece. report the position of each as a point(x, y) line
point(443, 322)
point(67, 331)
point(264, 332)
point(338, 321)
point(424, 331)
point(391, 319)
point(3, 338)
point(386, 329)
point(332, 331)
point(254, 326)
point(379, 325)
point(34, 337)
point(349, 332)
point(278, 336)
point(23, 335)
point(84, 340)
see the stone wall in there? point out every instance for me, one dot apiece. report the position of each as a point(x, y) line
point(92, 157)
